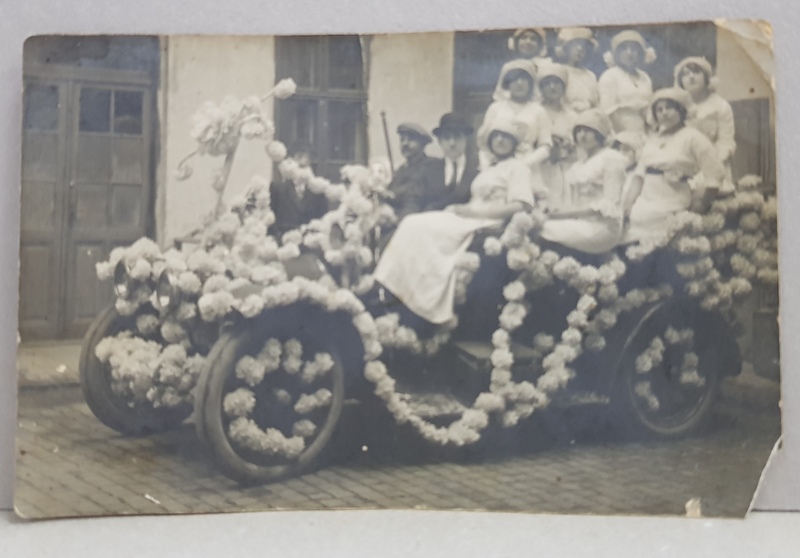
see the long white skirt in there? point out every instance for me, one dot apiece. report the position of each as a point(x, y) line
point(591, 235)
point(419, 263)
point(660, 199)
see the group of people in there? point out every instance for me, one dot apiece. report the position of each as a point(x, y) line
point(609, 158)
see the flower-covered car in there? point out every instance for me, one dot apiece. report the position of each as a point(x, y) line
point(265, 338)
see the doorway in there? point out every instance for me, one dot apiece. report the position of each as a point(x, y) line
point(87, 184)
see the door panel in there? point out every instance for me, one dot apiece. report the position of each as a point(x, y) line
point(110, 190)
point(42, 197)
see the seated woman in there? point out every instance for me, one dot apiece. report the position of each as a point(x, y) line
point(530, 47)
point(574, 46)
point(536, 141)
point(418, 266)
point(592, 220)
point(671, 157)
point(553, 85)
point(625, 89)
point(713, 114)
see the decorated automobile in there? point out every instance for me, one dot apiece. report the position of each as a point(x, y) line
point(264, 338)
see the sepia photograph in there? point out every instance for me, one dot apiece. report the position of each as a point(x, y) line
point(521, 270)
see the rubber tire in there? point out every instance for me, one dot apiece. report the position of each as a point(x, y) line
point(625, 413)
point(220, 364)
point(109, 408)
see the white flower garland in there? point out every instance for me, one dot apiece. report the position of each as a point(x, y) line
point(239, 404)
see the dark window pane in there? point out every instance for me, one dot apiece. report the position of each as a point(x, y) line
point(128, 112)
point(95, 115)
point(297, 122)
point(297, 59)
point(344, 61)
point(41, 107)
point(345, 132)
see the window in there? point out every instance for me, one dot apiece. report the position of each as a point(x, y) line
point(328, 112)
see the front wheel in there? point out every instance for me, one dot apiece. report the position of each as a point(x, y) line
point(269, 400)
point(669, 374)
point(113, 410)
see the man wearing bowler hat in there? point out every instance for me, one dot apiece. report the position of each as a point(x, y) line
point(447, 181)
point(407, 180)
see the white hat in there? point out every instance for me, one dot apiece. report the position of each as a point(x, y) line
point(594, 119)
point(512, 40)
point(629, 36)
point(551, 69)
point(701, 63)
point(568, 34)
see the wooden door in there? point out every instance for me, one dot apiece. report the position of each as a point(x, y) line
point(99, 198)
point(44, 184)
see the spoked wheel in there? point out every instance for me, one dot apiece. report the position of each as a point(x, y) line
point(670, 371)
point(111, 409)
point(269, 400)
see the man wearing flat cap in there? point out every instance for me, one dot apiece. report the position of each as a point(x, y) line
point(405, 185)
point(447, 181)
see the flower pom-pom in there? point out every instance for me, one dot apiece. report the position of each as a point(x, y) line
point(276, 151)
point(608, 58)
point(492, 246)
point(650, 55)
point(285, 89)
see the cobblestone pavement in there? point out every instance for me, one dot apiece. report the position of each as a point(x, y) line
point(70, 464)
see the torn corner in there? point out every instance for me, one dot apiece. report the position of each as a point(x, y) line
point(751, 40)
point(775, 450)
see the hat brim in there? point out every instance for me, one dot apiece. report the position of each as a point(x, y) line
point(466, 130)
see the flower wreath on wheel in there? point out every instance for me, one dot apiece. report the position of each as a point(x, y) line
point(720, 254)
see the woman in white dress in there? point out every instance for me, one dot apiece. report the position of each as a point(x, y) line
point(713, 114)
point(536, 141)
point(530, 47)
point(553, 83)
point(592, 221)
point(624, 88)
point(670, 158)
point(575, 45)
point(419, 264)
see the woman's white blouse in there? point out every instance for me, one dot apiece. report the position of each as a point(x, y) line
point(582, 91)
point(714, 117)
point(531, 114)
point(682, 154)
point(625, 98)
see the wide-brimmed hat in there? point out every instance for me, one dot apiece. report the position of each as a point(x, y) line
point(525, 66)
point(630, 139)
point(453, 123)
point(568, 34)
point(512, 40)
point(701, 63)
point(675, 94)
point(551, 69)
point(514, 128)
point(594, 119)
point(629, 36)
point(413, 129)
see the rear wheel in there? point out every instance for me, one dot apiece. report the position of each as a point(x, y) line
point(111, 409)
point(269, 400)
point(670, 371)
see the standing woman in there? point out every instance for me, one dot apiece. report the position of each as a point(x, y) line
point(553, 84)
point(530, 47)
point(671, 157)
point(625, 89)
point(419, 264)
point(536, 141)
point(713, 114)
point(592, 220)
point(575, 45)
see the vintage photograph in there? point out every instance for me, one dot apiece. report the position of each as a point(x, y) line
point(529, 270)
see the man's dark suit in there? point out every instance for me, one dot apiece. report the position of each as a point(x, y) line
point(406, 186)
point(435, 194)
point(292, 209)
